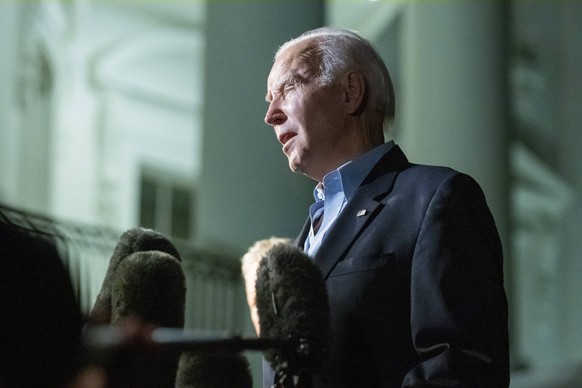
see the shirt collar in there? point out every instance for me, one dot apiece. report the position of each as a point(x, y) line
point(349, 176)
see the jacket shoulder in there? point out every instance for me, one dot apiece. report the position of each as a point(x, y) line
point(427, 175)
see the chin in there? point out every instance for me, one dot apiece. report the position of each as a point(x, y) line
point(293, 165)
point(297, 169)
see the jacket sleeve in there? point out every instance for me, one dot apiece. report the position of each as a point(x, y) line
point(459, 307)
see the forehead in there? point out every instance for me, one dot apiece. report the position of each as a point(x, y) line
point(291, 59)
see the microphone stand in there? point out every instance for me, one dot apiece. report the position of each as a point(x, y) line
point(103, 341)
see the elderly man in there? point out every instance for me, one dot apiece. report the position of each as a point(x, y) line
point(410, 253)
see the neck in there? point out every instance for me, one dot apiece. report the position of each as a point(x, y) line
point(355, 141)
point(339, 160)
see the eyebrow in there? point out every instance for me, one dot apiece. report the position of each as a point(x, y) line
point(292, 77)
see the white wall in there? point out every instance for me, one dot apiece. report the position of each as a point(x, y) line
point(126, 97)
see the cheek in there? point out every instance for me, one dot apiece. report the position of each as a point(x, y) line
point(320, 133)
point(322, 115)
point(315, 121)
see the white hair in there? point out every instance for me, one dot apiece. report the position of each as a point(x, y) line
point(336, 51)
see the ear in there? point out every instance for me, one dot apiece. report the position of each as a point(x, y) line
point(354, 89)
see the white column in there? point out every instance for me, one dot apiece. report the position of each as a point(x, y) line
point(454, 102)
point(453, 105)
point(570, 166)
point(247, 191)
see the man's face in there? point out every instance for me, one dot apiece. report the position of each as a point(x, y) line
point(306, 116)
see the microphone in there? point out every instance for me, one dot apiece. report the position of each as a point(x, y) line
point(142, 343)
point(292, 304)
point(148, 290)
point(137, 239)
point(144, 288)
point(213, 369)
point(249, 265)
point(151, 287)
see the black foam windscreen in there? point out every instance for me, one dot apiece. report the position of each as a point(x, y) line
point(144, 287)
point(213, 369)
point(150, 286)
point(133, 240)
point(141, 239)
point(293, 305)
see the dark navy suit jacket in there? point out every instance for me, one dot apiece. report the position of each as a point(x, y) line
point(414, 272)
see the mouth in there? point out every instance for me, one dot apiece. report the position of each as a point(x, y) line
point(285, 137)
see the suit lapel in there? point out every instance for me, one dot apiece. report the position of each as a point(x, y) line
point(343, 233)
point(360, 210)
point(300, 240)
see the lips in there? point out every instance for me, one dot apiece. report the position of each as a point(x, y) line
point(285, 137)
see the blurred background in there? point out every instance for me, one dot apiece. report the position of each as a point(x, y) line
point(116, 114)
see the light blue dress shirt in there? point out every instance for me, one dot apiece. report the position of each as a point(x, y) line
point(337, 188)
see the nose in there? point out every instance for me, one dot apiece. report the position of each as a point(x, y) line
point(275, 116)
